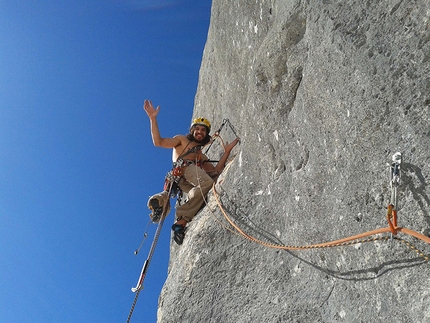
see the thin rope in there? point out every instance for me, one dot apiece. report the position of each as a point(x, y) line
point(145, 235)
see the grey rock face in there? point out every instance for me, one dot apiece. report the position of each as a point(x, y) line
point(322, 94)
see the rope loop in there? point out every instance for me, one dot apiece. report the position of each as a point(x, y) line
point(359, 238)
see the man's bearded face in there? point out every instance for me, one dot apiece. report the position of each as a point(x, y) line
point(199, 133)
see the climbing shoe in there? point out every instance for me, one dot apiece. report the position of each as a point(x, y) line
point(157, 210)
point(178, 233)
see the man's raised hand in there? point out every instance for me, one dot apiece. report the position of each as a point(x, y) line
point(149, 109)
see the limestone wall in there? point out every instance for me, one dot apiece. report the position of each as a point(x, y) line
point(322, 93)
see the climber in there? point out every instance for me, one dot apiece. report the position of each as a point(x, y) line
point(196, 181)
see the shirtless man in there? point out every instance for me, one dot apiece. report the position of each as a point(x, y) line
point(198, 180)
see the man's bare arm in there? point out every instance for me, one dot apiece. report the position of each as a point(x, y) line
point(208, 167)
point(228, 148)
point(155, 132)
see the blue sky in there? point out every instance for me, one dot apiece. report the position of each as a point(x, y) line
point(77, 164)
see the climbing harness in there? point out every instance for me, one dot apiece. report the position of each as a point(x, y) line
point(359, 238)
point(174, 176)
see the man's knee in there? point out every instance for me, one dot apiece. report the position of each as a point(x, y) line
point(206, 185)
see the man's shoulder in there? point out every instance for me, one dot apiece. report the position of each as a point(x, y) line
point(183, 139)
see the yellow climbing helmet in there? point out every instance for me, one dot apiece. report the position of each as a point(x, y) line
point(203, 122)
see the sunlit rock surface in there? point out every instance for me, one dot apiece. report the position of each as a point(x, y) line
point(322, 94)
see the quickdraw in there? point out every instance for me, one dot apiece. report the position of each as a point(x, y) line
point(394, 184)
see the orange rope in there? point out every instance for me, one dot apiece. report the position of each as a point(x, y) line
point(339, 242)
point(414, 234)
